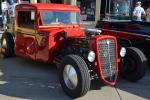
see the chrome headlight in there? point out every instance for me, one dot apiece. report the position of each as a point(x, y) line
point(122, 52)
point(91, 56)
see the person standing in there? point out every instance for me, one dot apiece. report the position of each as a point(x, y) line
point(4, 7)
point(148, 14)
point(11, 8)
point(138, 12)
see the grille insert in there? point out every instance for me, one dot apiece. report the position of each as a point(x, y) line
point(107, 54)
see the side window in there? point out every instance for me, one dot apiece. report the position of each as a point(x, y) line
point(26, 19)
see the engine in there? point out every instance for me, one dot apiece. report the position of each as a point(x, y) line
point(92, 32)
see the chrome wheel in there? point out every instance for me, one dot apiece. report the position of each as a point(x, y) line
point(70, 76)
point(74, 76)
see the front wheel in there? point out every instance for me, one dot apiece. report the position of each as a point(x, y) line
point(74, 76)
point(133, 65)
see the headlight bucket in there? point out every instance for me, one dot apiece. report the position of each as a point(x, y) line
point(91, 56)
point(122, 51)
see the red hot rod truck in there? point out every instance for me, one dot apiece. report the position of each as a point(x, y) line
point(52, 33)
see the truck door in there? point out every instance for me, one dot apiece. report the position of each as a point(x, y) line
point(42, 47)
point(25, 35)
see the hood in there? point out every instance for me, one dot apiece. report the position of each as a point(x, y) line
point(71, 31)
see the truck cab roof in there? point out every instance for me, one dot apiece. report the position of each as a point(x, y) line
point(40, 6)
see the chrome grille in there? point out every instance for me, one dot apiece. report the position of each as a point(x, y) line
point(107, 54)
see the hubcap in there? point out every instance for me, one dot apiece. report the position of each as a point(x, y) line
point(70, 76)
point(4, 45)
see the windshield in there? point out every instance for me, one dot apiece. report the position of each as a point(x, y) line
point(119, 9)
point(56, 17)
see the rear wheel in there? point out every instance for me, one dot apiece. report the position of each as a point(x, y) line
point(133, 66)
point(74, 76)
point(7, 45)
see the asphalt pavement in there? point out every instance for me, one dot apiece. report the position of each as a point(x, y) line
point(24, 79)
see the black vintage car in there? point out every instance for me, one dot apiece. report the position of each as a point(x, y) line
point(116, 20)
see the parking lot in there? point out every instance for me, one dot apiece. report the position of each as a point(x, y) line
point(22, 79)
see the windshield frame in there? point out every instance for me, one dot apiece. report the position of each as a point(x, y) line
point(41, 23)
